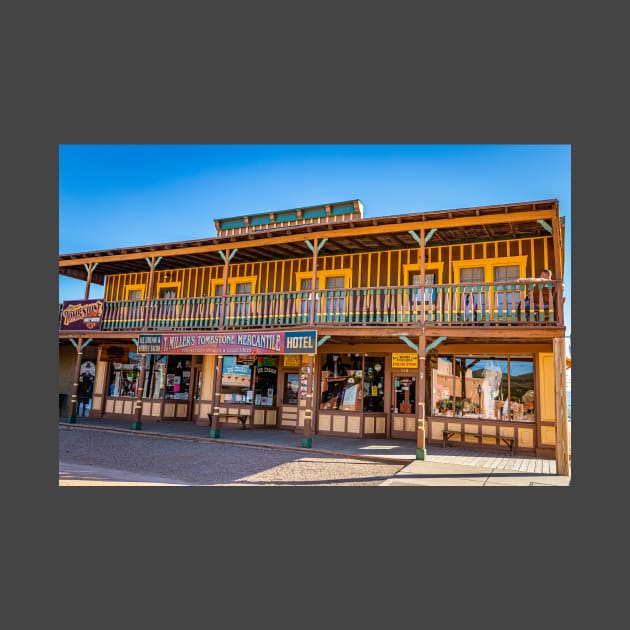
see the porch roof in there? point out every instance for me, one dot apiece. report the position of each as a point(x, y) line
point(399, 231)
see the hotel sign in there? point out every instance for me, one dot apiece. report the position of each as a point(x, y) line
point(81, 315)
point(280, 342)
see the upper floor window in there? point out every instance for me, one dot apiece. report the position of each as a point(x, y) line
point(135, 292)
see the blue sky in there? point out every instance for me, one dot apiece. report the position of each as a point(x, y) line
point(124, 195)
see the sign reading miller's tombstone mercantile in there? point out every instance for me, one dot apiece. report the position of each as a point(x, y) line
point(280, 342)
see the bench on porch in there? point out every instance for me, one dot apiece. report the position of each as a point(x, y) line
point(507, 440)
point(242, 417)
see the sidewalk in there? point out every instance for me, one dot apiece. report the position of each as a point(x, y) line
point(451, 466)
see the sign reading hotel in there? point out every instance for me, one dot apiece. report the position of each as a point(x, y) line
point(81, 315)
point(404, 360)
point(280, 342)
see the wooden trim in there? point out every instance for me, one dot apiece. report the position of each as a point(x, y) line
point(488, 264)
point(169, 285)
point(428, 267)
point(135, 287)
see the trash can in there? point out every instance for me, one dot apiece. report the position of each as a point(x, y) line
point(62, 402)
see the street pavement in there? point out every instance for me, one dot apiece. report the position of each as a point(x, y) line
point(450, 466)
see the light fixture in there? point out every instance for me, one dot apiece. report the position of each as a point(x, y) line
point(377, 367)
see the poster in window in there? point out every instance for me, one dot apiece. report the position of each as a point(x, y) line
point(350, 398)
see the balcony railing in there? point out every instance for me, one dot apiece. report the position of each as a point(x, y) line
point(470, 305)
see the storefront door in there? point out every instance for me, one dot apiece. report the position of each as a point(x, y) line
point(403, 420)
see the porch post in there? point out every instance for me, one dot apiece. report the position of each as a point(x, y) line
point(216, 397)
point(421, 451)
point(72, 418)
point(307, 439)
point(559, 266)
point(89, 268)
point(563, 463)
point(137, 425)
point(314, 283)
point(147, 301)
point(422, 276)
point(226, 260)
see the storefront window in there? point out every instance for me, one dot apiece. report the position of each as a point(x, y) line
point(352, 383)
point(124, 376)
point(442, 386)
point(155, 380)
point(177, 377)
point(373, 387)
point(522, 393)
point(493, 388)
point(236, 380)
point(266, 384)
point(340, 384)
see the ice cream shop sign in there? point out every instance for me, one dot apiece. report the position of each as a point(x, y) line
point(278, 342)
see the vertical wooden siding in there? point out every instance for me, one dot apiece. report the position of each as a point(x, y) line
point(369, 269)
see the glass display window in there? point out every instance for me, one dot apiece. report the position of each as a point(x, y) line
point(352, 383)
point(124, 376)
point(373, 386)
point(178, 377)
point(155, 380)
point(266, 381)
point(492, 388)
point(236, 380)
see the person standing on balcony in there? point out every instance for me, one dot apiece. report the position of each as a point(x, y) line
point(538, 293)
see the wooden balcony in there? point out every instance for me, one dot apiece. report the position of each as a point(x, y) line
point(462, 305)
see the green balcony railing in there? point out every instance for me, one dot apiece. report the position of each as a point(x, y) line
point(493, 303)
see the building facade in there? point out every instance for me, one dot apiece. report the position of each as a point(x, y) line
point(321, 321)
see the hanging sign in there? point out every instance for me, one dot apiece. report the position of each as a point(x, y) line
point(404, 360)
point(81, 315)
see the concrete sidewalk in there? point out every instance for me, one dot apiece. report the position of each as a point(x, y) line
point(451, 466)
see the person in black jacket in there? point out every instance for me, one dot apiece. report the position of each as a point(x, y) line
point(86, 384)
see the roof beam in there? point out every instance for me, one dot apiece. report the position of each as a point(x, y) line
point(434, 344)
point(410, 343)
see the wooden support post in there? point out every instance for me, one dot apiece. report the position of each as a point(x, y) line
point(314, 283)
point(72, 418)
point(223, 314)
point(137, 425)
point(89, 268)
point(149, 296)
point(307, 439)
point(422, 276)
point(216, 398)
point(563, 460)
point(421, 450)
point(558, 262)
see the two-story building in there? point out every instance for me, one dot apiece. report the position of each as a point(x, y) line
point(321, 321)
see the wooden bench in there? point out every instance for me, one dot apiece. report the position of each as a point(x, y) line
point(243, 418)
point(448, 433)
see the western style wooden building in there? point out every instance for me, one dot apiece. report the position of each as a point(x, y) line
point(435, 327)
